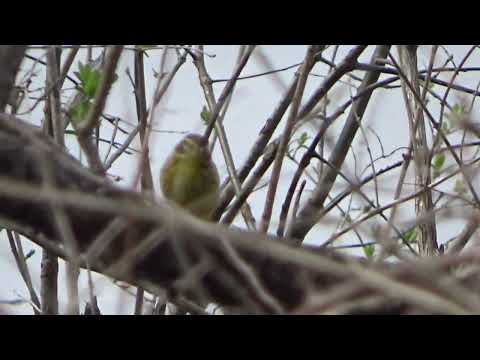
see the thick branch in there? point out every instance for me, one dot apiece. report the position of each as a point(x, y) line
point(427, 241)
point(10, 58)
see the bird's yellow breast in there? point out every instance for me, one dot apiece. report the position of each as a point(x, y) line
point(192, 183)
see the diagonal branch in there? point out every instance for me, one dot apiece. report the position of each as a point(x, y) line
point(307, 66)
point(308, 214)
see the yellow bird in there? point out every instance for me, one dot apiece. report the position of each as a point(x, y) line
point(190, 178)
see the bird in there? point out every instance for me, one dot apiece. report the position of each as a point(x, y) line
point(189, 177)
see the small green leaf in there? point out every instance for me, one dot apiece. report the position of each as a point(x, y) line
point(79, 112)
point(458, 109)
point(446, 126)
point(300, 143)
point(205, 115)
point(302, 139)
point(89, 79)
point(91, 84)
point(144, 47)
point(411, 235)
point(369, 250)
point(438, 161)
point(460, 187)
point(456, 114)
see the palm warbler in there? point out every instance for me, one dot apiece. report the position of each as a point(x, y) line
point(189, 177)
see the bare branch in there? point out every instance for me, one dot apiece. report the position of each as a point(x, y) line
point(11, 57)
point(308, 214)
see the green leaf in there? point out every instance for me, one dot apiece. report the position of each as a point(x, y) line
point(438, 161)
point(79, 112)
point(369, 250)
point(144, 47)
point(456, 113)
point(302, 139)
point(89, 79)
point(205, 115)
point(446, 126)
point(411, 235)
point(91, 84)
point(366, 209)
point(458, 109)
point(300, 143)
point(460, 187)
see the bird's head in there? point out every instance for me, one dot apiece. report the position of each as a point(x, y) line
point(193, 147)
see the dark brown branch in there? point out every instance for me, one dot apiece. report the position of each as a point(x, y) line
point(10, 58)
point(347, 65)
point(308, 215)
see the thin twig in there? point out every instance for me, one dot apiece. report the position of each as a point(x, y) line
point(85, 128)
point(307, 66)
